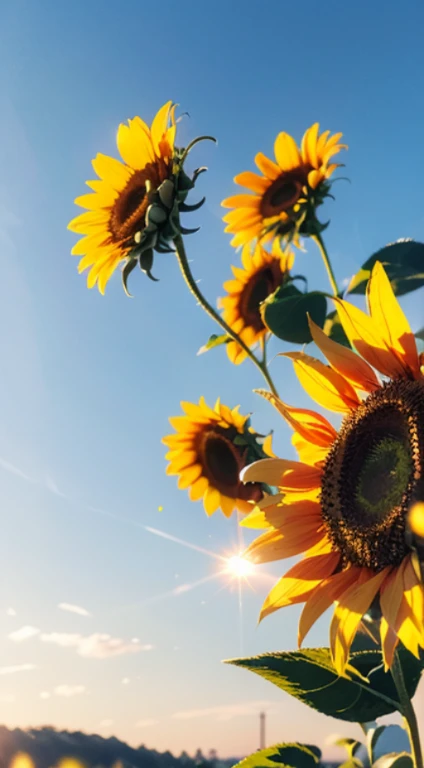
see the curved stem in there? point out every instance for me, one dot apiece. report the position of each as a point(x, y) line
point(407, 711)
point(327, 263)
point(194, 288)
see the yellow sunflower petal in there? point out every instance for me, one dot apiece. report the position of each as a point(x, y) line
point(252, 181)
point(134, 146)
point(308, 424)
point(366, 337)
point(323, 384)
point(352, 605)
point(198, 488)
point(307, 452)
point(344, 361)
point(269, 169)
point(91, 221)
point(309, 146)
point(392, 324)
point(112, 171)
point(227, 505)
point(211, 500)
point(189, 476)
point(283, 473)
point(298, 583)
point(160, 125)
point(286, 152)
point(274, 545)
point(241, 201)
point(323, 597)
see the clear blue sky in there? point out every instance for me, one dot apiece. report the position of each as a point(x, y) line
point(88, 382)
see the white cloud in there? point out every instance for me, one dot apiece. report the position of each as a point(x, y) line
point(69, 690)
point(146, 723)
point(11, 612)
point(17, 668)
point(95, 646)
point(106, 723)
point(125, 681)
point(45, 695)
point(52, 486)
point(13, 470)
point(74, 609)
point(226, 711)
point(24, 633)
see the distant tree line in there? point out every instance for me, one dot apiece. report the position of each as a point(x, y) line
point(47, 746)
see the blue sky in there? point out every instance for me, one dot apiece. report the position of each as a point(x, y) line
point(89, 382)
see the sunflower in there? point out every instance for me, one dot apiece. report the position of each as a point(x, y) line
point(262, 274)
point(209, 450)
point(118, 205)
point(288, 190)
point(346, 502)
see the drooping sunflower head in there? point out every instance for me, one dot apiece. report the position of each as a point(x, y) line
point(134, 205)
point(210, 448)
point(261, 275)
point(282, 201)
point(346, 504)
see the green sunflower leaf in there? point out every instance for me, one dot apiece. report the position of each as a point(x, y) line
point(334, 329)
point(214, 341)
point(309, 675)
point(403, 262)
point(285, 313)
point(291, 755)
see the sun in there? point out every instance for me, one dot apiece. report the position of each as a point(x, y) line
point(238, 567)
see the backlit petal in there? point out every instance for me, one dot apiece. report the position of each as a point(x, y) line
point(286, 152)
point(327, 387)
point(350, 365)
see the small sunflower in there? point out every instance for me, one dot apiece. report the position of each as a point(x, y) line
point(346, 503)
point(209, 450)
point(285, 196)
point(262, 274)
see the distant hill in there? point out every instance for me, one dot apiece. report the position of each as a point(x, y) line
point(47, 747)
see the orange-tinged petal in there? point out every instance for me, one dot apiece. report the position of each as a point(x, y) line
point(269, 169)
point(314, 178)
point(291, 475)
point(278, 514)
point(352, 605)
point(308, 452)
point(308, 424)
point(366, 337)
point(298, 583)
point(252, 181)
point(160, 125)
point(344, 361)
point(274, 545)
point(387, 314)
point(414, 596)
point(327, 387)
point(286, 152)
point(323, 597)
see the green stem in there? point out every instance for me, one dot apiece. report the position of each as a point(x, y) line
point(407, 711)
point(194, 288)
point(327, 263)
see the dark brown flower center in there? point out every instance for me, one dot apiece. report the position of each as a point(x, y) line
point(259, 287)
point(373, 472)
point(222, 462)
point(128, 212)
point(284, 192)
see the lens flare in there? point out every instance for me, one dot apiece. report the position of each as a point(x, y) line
point(239, 567)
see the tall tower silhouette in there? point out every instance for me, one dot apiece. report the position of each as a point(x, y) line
point(262, 730)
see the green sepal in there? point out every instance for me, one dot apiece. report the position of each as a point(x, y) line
point(126, 271)
point(146, 263)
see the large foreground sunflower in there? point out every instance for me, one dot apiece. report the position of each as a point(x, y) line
point(287, 189)
point(345, 504)
point(118, 205)
point(262, 274)
point(209, 450)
